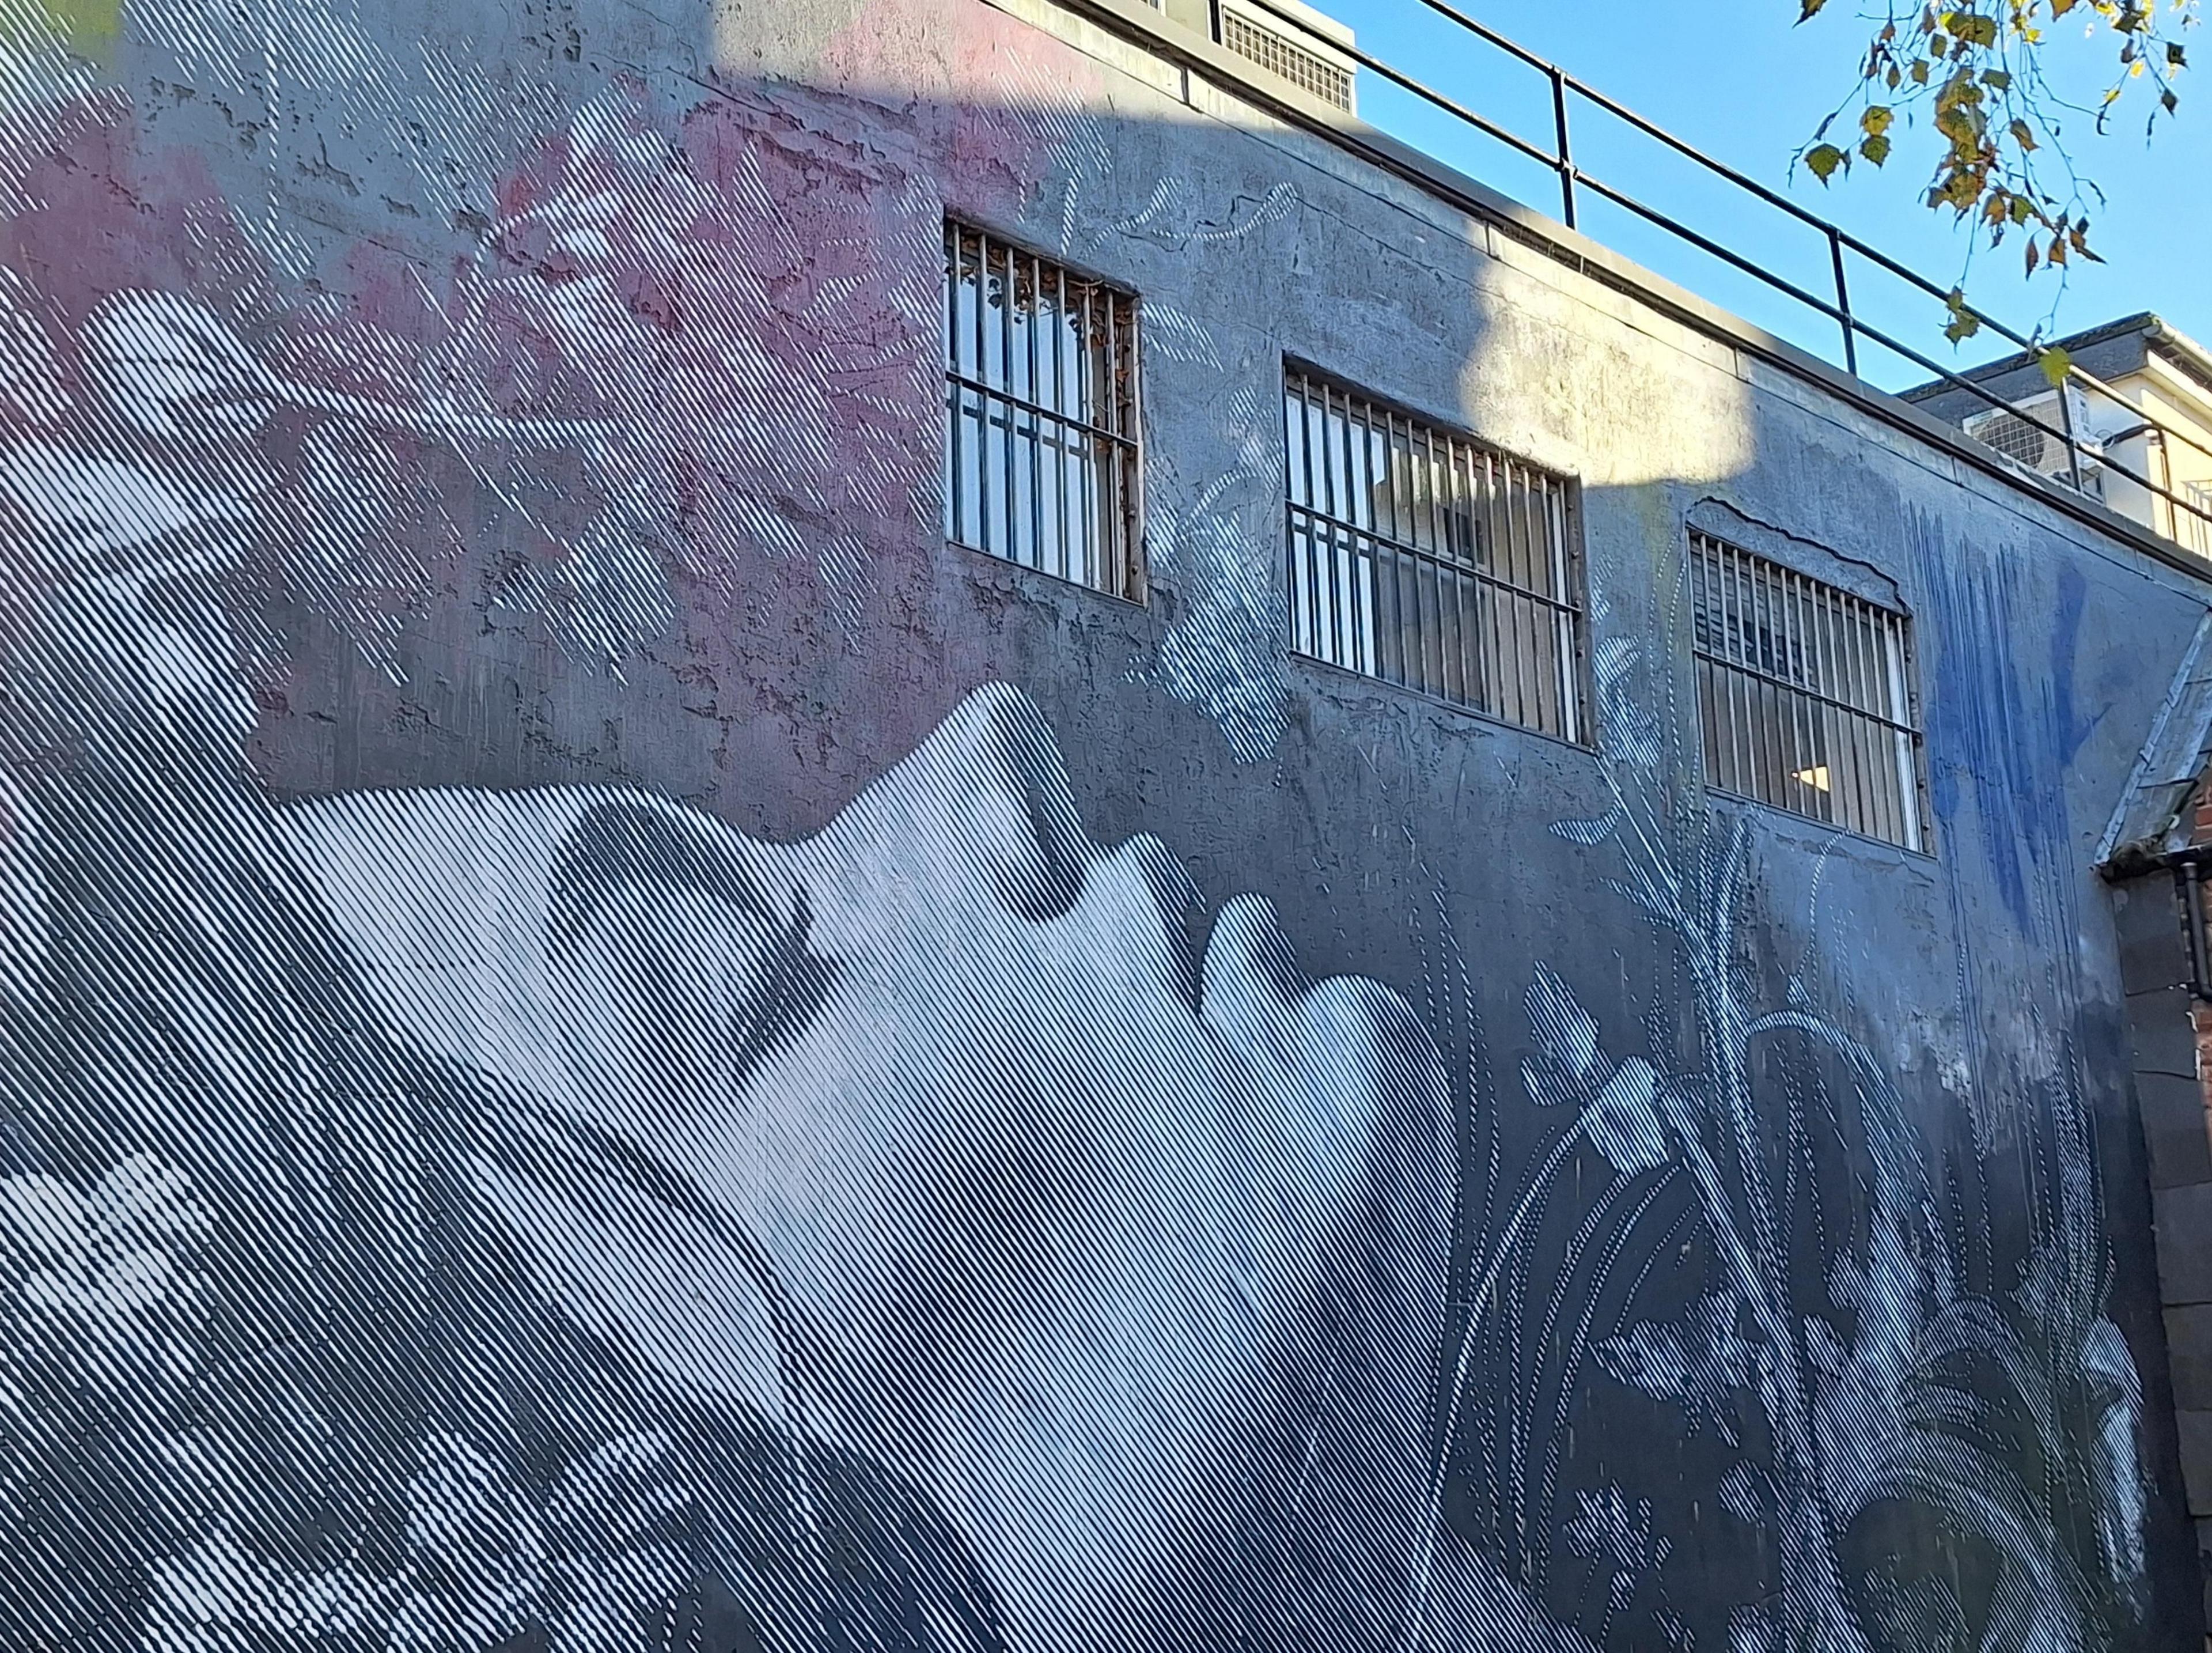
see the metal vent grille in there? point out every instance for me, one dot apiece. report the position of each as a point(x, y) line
point(2022, 441)
point(1042, 465)
point(1805, 695)
point(1420, 558)
point(1329, 82)
point(2016, 439)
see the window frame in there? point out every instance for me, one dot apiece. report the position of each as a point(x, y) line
point(1120, 552)
point(1845, 608)
point(1574, 686)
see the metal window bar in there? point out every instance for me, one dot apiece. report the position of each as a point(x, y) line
point(1804, 695)
point(1041, 453)
point(1418, 557)
point(1838, 309)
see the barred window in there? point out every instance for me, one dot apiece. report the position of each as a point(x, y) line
point(1423, 558)
point(1040, 452)
point(1805, 695)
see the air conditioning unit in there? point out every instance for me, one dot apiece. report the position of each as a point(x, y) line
point(1307, 52)
point(2026, 444)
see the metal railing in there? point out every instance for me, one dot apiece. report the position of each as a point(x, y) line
point(2189, 514)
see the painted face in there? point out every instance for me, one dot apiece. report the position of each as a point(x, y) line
point(1113, 1243)
point(935, 1133)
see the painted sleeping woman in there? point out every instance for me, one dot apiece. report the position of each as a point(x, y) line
point(462, 1220)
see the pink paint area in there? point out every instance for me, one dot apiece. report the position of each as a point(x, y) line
point(678, 411)
point(979, 91)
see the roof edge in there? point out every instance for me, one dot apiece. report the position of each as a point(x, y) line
point(1187, 49)
point(2192, 359)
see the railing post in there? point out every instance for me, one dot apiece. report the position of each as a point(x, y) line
point(1843, 303)
point(2073, 443)
point(1566, 155)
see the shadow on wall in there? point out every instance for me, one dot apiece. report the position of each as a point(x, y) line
point(573, 1075)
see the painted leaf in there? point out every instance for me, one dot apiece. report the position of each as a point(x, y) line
point(1549, 1084)
point(1623, 1123)
point(1584, 832)
point(41, 1221)
point(1701, 1362)
point(1752, 1629)
point(1747, 1493)
point(30, 382)
point(1180, 336)
point(174, 369)
point(1615, 1531)
point(1922, 1614)
point(1565, 1030)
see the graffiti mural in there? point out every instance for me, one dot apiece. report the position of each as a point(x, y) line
point(694, 1224)
point(2010, 1417)
point(463, 1212)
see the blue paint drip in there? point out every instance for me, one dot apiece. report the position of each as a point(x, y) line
point(1998, 734)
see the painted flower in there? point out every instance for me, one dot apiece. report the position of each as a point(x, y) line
point(102, 1313)
point(1611, 1528)
point(621, 1517)
point(597, 1565)
point(1619, 1104)
point(100, 1288)
point(1622, 1121)
point(217, 1597)
point(477, 1561)
point(753, 310)
point(1614, 1531)
point(1702, 1362)
point(1568, 1065)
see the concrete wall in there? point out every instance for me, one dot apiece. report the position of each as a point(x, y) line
point(609, 1045)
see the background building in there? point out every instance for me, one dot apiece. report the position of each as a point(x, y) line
point(2155, 418)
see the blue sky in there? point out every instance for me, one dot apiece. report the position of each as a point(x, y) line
point(1739, 79)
